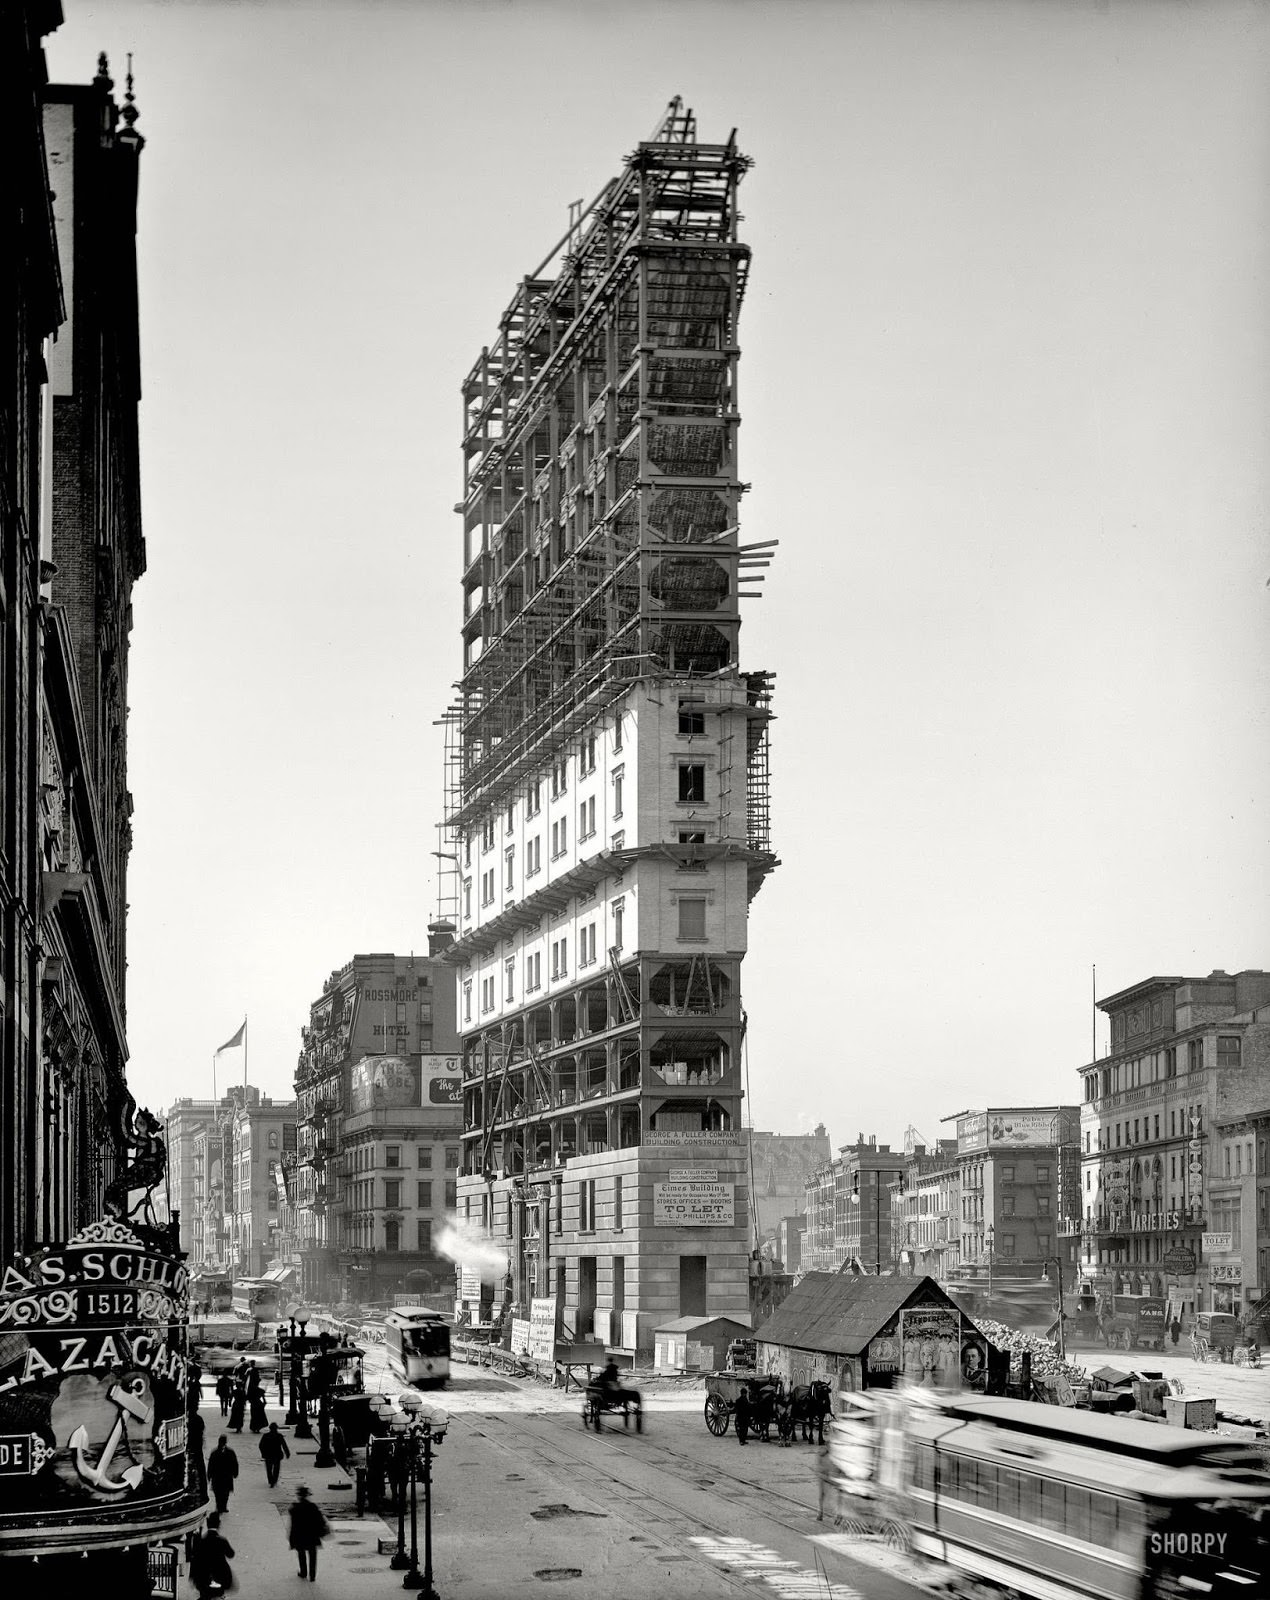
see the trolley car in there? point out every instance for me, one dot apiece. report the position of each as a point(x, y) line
point(1059, 1505)
point(417, 1342)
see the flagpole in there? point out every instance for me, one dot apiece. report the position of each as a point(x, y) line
point(244, 1058)
point(213, 1079)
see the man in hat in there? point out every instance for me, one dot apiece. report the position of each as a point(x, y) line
point(222, 1469)
point(273, 1447)
point(308, 1529)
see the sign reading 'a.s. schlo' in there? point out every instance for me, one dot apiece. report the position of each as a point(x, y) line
point(691, 1203)
point(93, 1402)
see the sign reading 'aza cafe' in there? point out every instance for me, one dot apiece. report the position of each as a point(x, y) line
point(93, 1402)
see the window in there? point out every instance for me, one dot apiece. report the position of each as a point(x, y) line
point(692, 718)
point(619, 913)
point(692, 782)
point(392, 1193)
point(509, 868)
point(617, 731)
point(1137, 1138)
point(467, 897)
point(559, 778)
point(511, 815)
point(392, 1155)
point(560, 958)
point(509, 978)
point(425, 1235)
point(1157, 1126)
point(619, 840)
point(1195, 1055)
point(689, 861)
point(586, 757)
point(487, 994)
point(533, 798)
point(1007, 1174)
point(451, 1194)
point(617, 1202)
point(1005, 1244)
point(467, 1000)
point(467, 849)
point(1228, 1050)
point(533, 971)
point(1117, 1136)
point(692, 918)
point(618, 778)
point(424, 1197)
point(586, 1206)
point(1042, 1174)
point(586, 818)
point(487, 834)
point(1007, 1205)
point(392, 1237)
point(533, 856)
point(559, 837)
point(1042, 1205)
point(586, 945)
point(451, 1158)
point(425, 1157)
point(1170, 1062)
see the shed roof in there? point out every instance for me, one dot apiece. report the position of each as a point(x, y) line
point(693, 1324)
point(839, 1315)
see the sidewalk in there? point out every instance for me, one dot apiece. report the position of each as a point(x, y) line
point(256, 1523)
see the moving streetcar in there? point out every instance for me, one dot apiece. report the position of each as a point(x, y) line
point(1060, 1505)
point(417, 1342)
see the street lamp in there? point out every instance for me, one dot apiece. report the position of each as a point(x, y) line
point(400, 1428)
point(990, 1234)
point(877, 1216)
point(1045, 1276)
point(325, 1373)
point(301, 1402)
point(426, 1427)
point(293, 1416)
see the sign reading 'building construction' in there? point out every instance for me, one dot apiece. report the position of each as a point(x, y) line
point(694, 1203)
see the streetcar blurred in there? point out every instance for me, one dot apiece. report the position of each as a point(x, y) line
point(1051, 1503)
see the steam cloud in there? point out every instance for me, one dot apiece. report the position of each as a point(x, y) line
point(470, 1248)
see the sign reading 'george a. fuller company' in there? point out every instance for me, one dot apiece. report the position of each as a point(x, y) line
point(93, 1403)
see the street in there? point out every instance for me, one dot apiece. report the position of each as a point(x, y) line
point(524, 1495)
point(1239, 1390)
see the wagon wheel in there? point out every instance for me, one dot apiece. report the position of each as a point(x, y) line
point(717, 1414)
point(1241, 1356)
point(895, 1536)
point(1128, 1339)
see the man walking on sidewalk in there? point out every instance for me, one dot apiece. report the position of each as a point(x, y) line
point(222, 1469)
point(273, 1447)
point(308, 1529)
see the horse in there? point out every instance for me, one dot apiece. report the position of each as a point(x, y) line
point(766, 1401)
point(600, 1397)
point(809, 1404)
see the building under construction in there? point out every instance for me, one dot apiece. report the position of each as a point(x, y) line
point(607, 816)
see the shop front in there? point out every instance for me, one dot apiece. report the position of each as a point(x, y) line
point(95, 1456)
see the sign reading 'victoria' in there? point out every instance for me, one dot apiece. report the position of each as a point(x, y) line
point(93, 1404)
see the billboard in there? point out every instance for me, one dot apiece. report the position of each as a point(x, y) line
point(93, 1402)
point(1018, 1129)
point(384, 1081)
point(972, 1131)
point(542, 1328)
point(444, 1078)
point(694, 1203)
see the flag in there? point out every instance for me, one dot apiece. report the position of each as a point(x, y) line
point(232, 1044)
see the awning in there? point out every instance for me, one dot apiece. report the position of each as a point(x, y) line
point(279, 1275)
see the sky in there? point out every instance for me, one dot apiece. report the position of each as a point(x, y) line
point(1005, 390)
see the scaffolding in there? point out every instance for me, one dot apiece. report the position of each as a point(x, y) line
point(601, 498)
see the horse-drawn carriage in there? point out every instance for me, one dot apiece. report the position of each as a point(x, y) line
point(599, 1397)
point(769, 1404)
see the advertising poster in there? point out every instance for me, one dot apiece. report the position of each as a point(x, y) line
point(542, 1328)
point(520, 1336)
point(93, 1392)
point(384, 1081)
point(694, 1203)
point(1019, 1129)
point(445, 1080)
point(665, 1138)
point(972, 1131)
point(930, 1341)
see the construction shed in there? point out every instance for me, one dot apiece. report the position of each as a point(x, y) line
point(871, 1332)
point(695, 1344)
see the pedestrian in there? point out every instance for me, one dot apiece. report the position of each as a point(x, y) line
point(1175, 1331)
point(256, 1400)
point(273, 1447)
point(222, 1469)
point(238, 1406)
point(210, 1571)
point(742, 1414)
point(195, 1425)
point(308, 1529)
point(224, 1392)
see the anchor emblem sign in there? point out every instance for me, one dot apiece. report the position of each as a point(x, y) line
point(130, 1398)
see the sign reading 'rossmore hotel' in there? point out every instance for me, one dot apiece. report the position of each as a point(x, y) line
point(93, 1395)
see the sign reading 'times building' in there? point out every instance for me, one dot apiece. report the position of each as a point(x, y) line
point(93, 1401)
point(694, 1203)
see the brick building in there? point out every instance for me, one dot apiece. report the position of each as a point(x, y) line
point(848, 1206)
point(926, 1211)
point(1017, 1166)
point(378, 1122)
point(1171, 1121)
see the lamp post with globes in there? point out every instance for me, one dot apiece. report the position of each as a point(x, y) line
point(300, 1400)
point(1058, 1280)
point(426, 1427)
point(990, 1234)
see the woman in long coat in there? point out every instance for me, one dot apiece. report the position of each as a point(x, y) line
point(256, 1400)
point(238, 1407)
